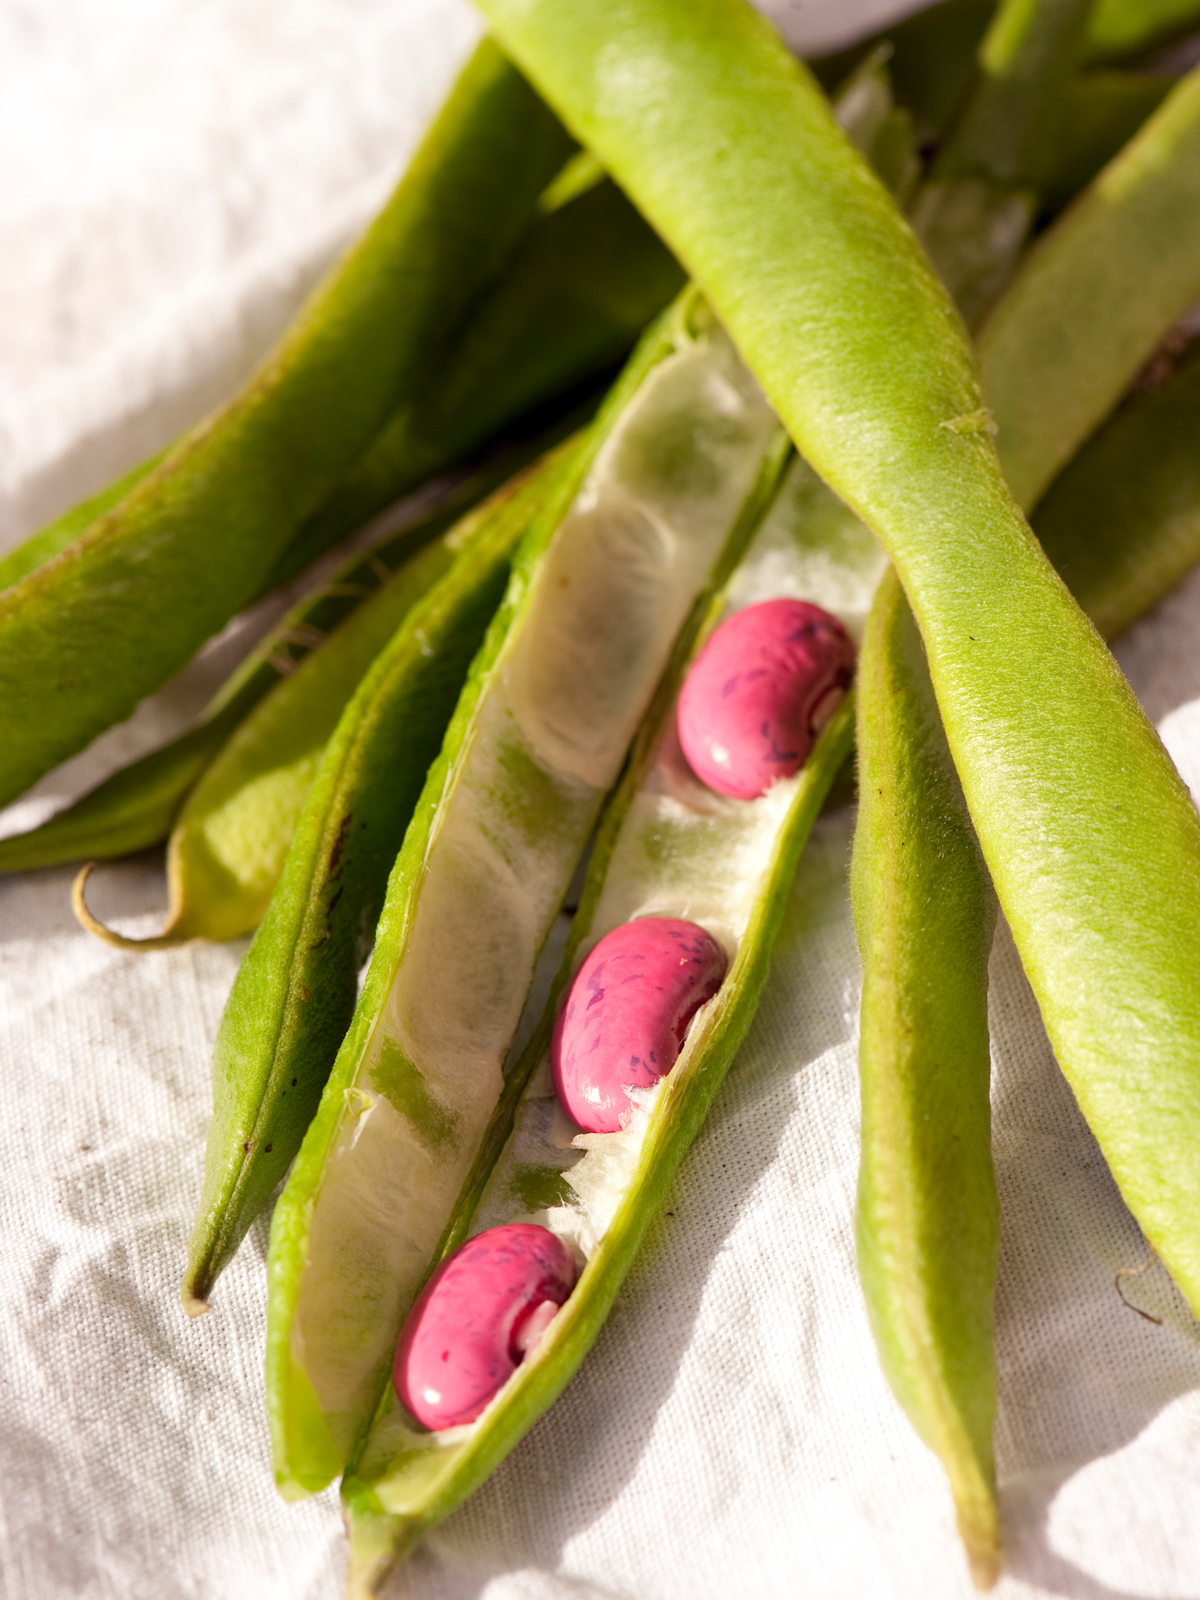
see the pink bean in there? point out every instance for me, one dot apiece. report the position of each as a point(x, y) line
point(476, 1320)
point(627, 1014)
point(759, 692)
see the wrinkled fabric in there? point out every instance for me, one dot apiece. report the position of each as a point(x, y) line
point(176, 177)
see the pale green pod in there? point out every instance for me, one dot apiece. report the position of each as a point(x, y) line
point(600, 589)
point(667, 846)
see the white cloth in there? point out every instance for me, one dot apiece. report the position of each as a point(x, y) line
point(175, 176)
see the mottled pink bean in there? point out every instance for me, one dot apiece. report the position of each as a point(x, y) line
point(759, 692)
point(476, 1320)
point(627, 1014)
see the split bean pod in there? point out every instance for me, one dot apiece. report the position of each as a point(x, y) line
point(689, 885)
point(600, 588)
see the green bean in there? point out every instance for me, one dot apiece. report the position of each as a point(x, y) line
point(136, 806)
point(975, 213)
point(193, 542)
point(1122, 524)
point(295, 991)
point(927, 1219)
point(1048, 377)
point(821, 287)
point(666, 846)
point(1120, 527)
point(600, 588)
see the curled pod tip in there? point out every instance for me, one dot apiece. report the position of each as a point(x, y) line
point(759, 693)
point(627, 1014)
point(167, 940)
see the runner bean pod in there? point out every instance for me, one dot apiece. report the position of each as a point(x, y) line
point(668, 847)
point(295, 990)
point(821, 285)
point(195, 539)
point(1121, 530)
point(601, 586)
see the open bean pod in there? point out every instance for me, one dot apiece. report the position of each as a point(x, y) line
point(669, 847)
point(600, 588)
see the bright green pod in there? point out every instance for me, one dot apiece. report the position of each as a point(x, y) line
point(600, 588)
point(135, 807)
point(825, 292)
point(1061, 346)
point(295, 990)
point(195, 539)
point(1122, 524)
point(927, 1220)
point(667, 846)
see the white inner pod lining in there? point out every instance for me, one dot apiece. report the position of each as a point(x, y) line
point(547, 740)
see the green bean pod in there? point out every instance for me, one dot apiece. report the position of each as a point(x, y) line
point(927, 1220)
point(599, 590)
point(295, 990)
point(135, 807)
point(1122, 524)
point(667, 846)
point(1084, 823)
point(195, 539)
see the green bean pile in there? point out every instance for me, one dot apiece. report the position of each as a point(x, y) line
point(873, 316)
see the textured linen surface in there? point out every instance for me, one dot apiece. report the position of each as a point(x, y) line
point(176, 176)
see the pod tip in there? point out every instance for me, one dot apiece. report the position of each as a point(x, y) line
point(85, 918)
point(192, 1304)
